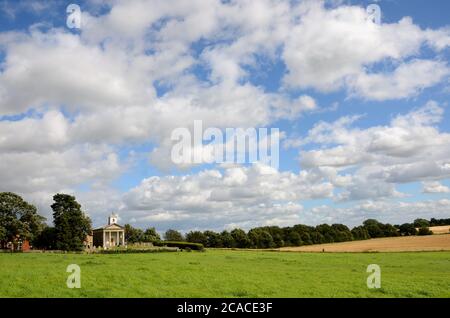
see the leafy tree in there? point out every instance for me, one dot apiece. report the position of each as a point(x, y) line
point(133, 235)
point(439, 222)
point(150, 235)
point(316, 237)
point(227, 239)
point(213, 239)
point(71, 224)
point(46, 239)
point(306, 238)
point(293, 238)
point(260, 238)
point(341, 233)
point(196, 237)
point(240, 238)
point(421, 223)
point(424, 231)
point(360, 233)
point(18, 218)
point(389, 230)
point(407, 229)
point(373, 227)
point(328, 238)
point(172, 235)
point(328, 232)
point(277, 234)
point(2, 235)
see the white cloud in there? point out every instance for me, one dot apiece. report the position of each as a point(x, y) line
point(435, 187)
point(135, 72)
point(407, 80)
point(410, 149)
point(330, 49)
point(235, 195)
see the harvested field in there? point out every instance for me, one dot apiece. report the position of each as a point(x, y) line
point(440, 229)
point(390, 244)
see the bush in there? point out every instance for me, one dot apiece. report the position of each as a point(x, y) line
point(424, 231)
point(136, 251)
point(407, 229)
point(421, 223)
point(172, 235)
point(196, 237)
point(181, 245)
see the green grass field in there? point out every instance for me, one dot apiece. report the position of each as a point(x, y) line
point(218, 273)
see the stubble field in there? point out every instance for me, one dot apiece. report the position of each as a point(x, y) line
point(388, 244)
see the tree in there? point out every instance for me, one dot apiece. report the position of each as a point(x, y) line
point(196, 237)
point(213, 239)
point(173, 235)
point(133, 235)
point(407, 229)
point(18, 218)
point(341, 233)
point(424, 231)
point(2, 234)
point(240, 238)
point(373, 228)
point(389, 230)
point(260, 238)
point(150, 235)
point(360, 233)
point(293, 238)
point(227, 239)
point(439, 222)
point(71, 224)
point(46, 239)
point(421, 223)
point(316, 237)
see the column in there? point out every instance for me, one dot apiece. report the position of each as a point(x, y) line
point(104, 238)
point(117, 236)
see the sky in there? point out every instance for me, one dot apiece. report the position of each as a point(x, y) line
point(361, 107)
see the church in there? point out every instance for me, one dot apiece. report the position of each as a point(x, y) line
point(110, 235)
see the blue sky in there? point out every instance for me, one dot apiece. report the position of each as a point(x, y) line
point(363, 109)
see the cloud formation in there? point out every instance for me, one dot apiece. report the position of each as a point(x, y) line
point(79, 110)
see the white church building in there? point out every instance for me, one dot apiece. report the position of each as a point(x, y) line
point(110, 235)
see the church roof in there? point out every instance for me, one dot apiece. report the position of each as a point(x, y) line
point(110, 227)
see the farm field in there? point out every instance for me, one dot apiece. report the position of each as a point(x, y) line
point(221, 274)
point(444, 229)
point(387, 244)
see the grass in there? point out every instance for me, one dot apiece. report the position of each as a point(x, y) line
point(219, 273)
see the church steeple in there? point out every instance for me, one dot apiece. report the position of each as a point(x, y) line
point(112, 219)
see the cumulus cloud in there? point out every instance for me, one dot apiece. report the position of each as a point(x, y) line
point(234, 195)
point(435, 187)
point(70, 102)
point(405, 81)
point(331, 49)
point(410, 149)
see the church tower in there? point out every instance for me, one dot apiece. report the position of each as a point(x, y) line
point(112, 219)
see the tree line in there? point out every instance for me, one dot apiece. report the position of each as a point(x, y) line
point(297, 235)
point(19, 220)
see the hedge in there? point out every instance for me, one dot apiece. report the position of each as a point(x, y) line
point(132, 251)
point(182, 245)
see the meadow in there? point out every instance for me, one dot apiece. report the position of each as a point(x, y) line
point(226, 273)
